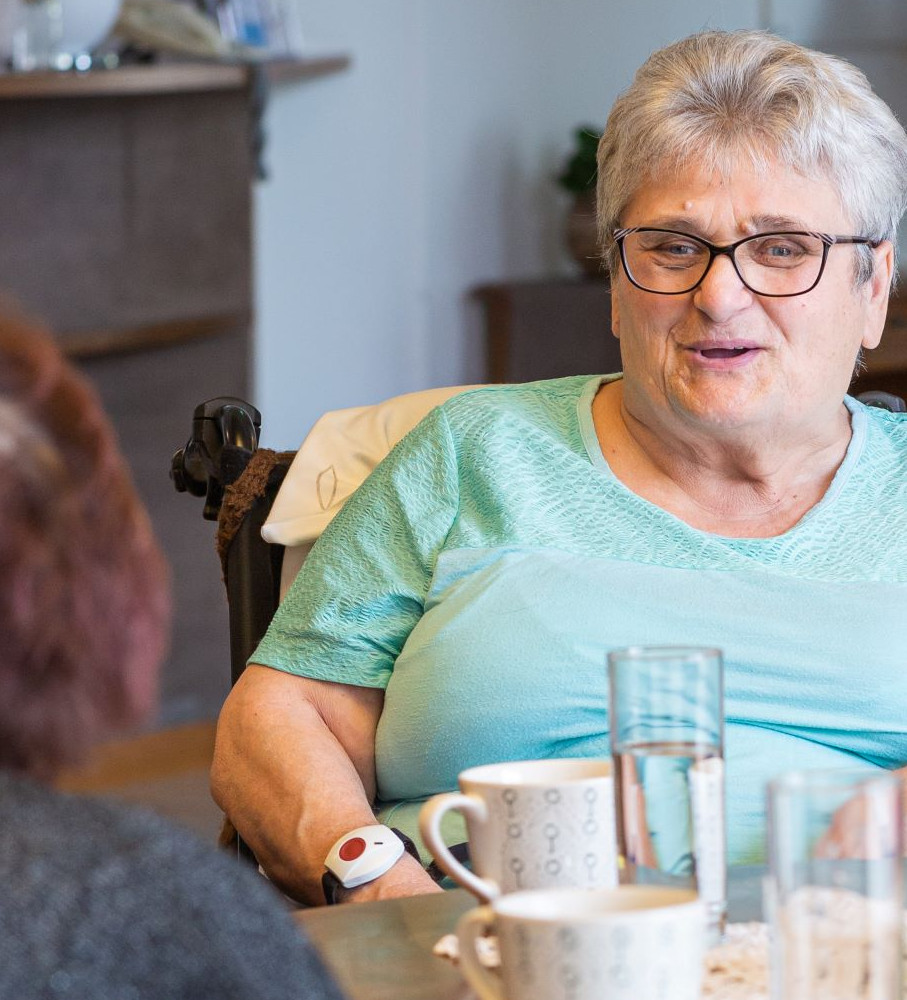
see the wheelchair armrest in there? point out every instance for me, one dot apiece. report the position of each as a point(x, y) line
point(222, 462)
point(251, 566)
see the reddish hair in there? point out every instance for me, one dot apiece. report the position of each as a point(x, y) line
point(84, 596)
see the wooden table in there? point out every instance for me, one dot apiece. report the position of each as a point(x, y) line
point(383, 951)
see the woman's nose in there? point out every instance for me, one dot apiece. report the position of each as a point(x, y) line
point(721, 293)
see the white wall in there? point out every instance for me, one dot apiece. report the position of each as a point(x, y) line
point(424, 170)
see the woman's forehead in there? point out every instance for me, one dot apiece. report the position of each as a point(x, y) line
point(752, 198)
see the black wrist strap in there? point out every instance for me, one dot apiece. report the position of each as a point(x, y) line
point(408, 845)
point(333, 888)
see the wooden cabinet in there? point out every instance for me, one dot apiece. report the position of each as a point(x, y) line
point(886, 366)
point(548, 328)
point(127, 228)
point(545, 329)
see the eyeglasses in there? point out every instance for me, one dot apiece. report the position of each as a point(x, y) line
point(772, 264)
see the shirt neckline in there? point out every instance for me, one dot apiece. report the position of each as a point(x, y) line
point(858, 425)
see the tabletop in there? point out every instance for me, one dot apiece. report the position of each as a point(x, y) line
point(383, 950)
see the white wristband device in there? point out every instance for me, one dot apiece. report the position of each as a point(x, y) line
point(362, 855)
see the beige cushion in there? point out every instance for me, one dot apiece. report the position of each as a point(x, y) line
point(339, 452)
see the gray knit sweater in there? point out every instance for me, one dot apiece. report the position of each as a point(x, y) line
point(99, 901)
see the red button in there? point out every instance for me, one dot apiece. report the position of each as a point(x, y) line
point(352, 849)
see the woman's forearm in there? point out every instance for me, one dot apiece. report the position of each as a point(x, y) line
point(294, 770)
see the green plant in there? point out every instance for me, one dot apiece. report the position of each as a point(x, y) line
point(580, 171)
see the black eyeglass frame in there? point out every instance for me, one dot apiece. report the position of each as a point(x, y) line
point(729, 250)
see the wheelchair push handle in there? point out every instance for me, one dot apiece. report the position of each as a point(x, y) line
point(225, 434)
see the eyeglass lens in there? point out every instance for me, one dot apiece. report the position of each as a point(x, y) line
point(770, 264)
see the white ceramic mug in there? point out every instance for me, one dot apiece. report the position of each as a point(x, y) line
point(630, 943)
point(531, 825)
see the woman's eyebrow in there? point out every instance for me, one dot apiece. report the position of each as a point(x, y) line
point(752, 227)
point(776, 223)
point(676, 223)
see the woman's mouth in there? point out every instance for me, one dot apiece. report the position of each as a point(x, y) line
point(724, 352)
point(726, 355)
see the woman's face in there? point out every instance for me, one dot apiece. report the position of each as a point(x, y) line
point(793, 357)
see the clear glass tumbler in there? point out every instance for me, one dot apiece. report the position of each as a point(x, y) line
point(667, 742)
point(833, 894)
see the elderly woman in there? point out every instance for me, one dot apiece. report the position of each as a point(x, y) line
point(100, 900)
point(723, 490)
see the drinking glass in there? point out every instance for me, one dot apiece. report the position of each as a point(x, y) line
point(833, 895)
point(59, 34)
point(39, 34)
point(667, 742)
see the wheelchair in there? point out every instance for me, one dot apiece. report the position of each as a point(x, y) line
point(240, 481)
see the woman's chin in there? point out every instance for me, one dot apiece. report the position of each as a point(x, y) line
point(724, 407)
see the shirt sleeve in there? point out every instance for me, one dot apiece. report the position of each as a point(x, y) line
point(362, 588)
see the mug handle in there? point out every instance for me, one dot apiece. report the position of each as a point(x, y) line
point(470, 927)
point(430, 817)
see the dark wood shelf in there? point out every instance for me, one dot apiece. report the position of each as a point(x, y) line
point(291, 70)
point(103, 343)
point(162, 78)
point(129, 232)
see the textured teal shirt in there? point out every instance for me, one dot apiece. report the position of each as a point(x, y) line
point(483, 571)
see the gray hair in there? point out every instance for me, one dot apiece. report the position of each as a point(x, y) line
point(723, 98)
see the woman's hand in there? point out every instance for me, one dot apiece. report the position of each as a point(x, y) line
point(639, 847)
point(860, 830)
point(406, 878)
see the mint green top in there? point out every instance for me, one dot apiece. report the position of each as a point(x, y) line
point(483, 571)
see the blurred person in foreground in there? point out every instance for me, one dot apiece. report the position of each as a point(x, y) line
point(722, 490)
point(100, 900)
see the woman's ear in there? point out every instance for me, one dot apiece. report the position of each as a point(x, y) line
point(877, 290)
point(615, 315)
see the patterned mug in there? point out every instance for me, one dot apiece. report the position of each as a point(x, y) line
point(531, 825)
point(630, 943)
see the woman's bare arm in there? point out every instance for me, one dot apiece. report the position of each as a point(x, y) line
point(294, 769)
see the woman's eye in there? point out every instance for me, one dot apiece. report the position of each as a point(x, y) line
point(676, 249)
point(779, 251)
point(667, 250)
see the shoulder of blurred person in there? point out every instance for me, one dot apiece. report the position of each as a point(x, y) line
point(105, 900)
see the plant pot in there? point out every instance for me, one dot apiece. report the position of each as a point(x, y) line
point(582, 237)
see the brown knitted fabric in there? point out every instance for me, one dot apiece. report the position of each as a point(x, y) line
point(258, 475)
point(239, 496)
